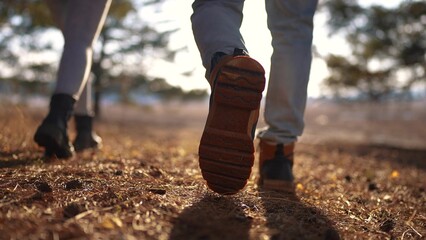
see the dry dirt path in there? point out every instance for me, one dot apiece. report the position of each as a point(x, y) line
point(145, 184)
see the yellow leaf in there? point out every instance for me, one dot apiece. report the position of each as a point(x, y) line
point(111, 222)
point(107, 223)
point(394, 174)
point(117, 221)
point(299, 186)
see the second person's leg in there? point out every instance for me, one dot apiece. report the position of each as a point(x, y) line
point(86, 137)
point(291, 26)
point(81, 26)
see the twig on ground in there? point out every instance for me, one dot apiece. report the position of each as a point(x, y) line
point(415, 231)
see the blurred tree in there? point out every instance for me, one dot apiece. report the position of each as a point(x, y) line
point(124, 43)
point(21, 23)
point(388, 47)
point(157, 87)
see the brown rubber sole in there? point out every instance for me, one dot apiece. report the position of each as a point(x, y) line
point(226, 152)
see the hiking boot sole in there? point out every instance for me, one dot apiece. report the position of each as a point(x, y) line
point(226, 152)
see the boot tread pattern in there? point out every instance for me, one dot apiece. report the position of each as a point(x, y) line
point(226, 149)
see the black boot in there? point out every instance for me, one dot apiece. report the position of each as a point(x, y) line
point(86, 137)
point(52, 133)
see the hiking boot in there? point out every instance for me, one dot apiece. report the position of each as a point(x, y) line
point(276, 166)
point(226, 152)
point(86, 138)
point(52, 133)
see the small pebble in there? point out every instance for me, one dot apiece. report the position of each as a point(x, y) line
point(73, 184)
point(72, 210)
point(387, 225)
point(348, 178)
point(156, 173)
point(372, 186)
point(43, 187)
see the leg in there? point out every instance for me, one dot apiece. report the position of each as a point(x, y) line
point(84, 105)
point(58, 11)
point(216, 27)
point(291, 26)
point(82, 21)
point(226, 148)
point(86, 137)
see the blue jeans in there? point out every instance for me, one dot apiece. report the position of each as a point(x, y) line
point(216, 26)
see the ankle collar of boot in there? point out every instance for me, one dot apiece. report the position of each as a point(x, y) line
point(274, 150)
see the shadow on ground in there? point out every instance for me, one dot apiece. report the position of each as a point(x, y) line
point(222, 217)
point(17, 159)
point(213, 217)
point(289, 218)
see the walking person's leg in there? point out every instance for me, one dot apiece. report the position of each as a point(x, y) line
point(86, 137)
point(82, 23)
point(226, 148)
point(216, 27)
point(291, 26)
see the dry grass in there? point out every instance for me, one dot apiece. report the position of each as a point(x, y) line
point(145, 184)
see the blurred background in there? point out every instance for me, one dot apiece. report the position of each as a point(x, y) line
point(369, 67)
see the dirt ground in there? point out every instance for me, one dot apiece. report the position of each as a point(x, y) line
point(360, 170)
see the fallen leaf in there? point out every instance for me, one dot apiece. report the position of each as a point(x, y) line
point(111, 222)
point(394, 174)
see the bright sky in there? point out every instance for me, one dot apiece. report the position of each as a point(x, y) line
point(257, 38)
point(255, 33)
